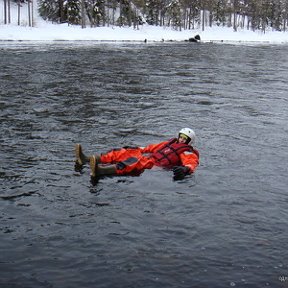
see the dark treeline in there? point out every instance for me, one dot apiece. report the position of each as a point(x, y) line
point(179, 14)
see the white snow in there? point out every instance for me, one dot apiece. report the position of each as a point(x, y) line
point(47, 31)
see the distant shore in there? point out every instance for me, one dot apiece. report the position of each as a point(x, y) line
point(46, 31)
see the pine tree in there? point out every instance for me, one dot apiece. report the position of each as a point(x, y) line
point(220, 11)
point(174, 14)
point(276, 18)
point(49, 9)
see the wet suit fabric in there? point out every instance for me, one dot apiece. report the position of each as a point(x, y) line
point(134, 160)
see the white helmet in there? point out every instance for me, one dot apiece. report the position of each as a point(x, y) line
point(189, 133)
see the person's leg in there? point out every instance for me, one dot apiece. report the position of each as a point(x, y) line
point(116, 155)
point(100, 170)
point(129, 166)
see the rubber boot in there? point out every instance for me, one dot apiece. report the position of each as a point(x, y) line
point(81, 159)
point(107, 170)
point(93, 166)
point(96, 170)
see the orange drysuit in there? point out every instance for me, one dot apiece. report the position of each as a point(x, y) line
point(134, 160)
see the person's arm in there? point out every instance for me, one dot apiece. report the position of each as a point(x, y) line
point(190, 161)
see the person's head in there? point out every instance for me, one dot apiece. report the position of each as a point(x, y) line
point(186, 135)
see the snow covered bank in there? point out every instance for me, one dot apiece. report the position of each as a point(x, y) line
point(62, 32)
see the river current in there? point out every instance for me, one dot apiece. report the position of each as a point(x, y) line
point(224, 226)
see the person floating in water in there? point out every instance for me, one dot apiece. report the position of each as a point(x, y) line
point(177, 154)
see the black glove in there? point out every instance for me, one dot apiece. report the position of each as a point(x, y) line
point(180, 172)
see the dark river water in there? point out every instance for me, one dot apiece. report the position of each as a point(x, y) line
point(224, 226)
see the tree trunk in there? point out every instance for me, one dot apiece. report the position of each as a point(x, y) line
point(29, 14)
point(9, 12)
point(235, 22)
point(234, 15)
point(5, 11)
point(130, 14)
point(61, 11)
point(113, 16)
point(19, 5)
point(83, 24)
point(32, 13)
point(203, 19)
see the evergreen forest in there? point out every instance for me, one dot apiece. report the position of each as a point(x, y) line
point(178, 14)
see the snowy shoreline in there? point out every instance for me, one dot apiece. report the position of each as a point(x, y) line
point(56, 33)
point(140, 42)
point(47, 32)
